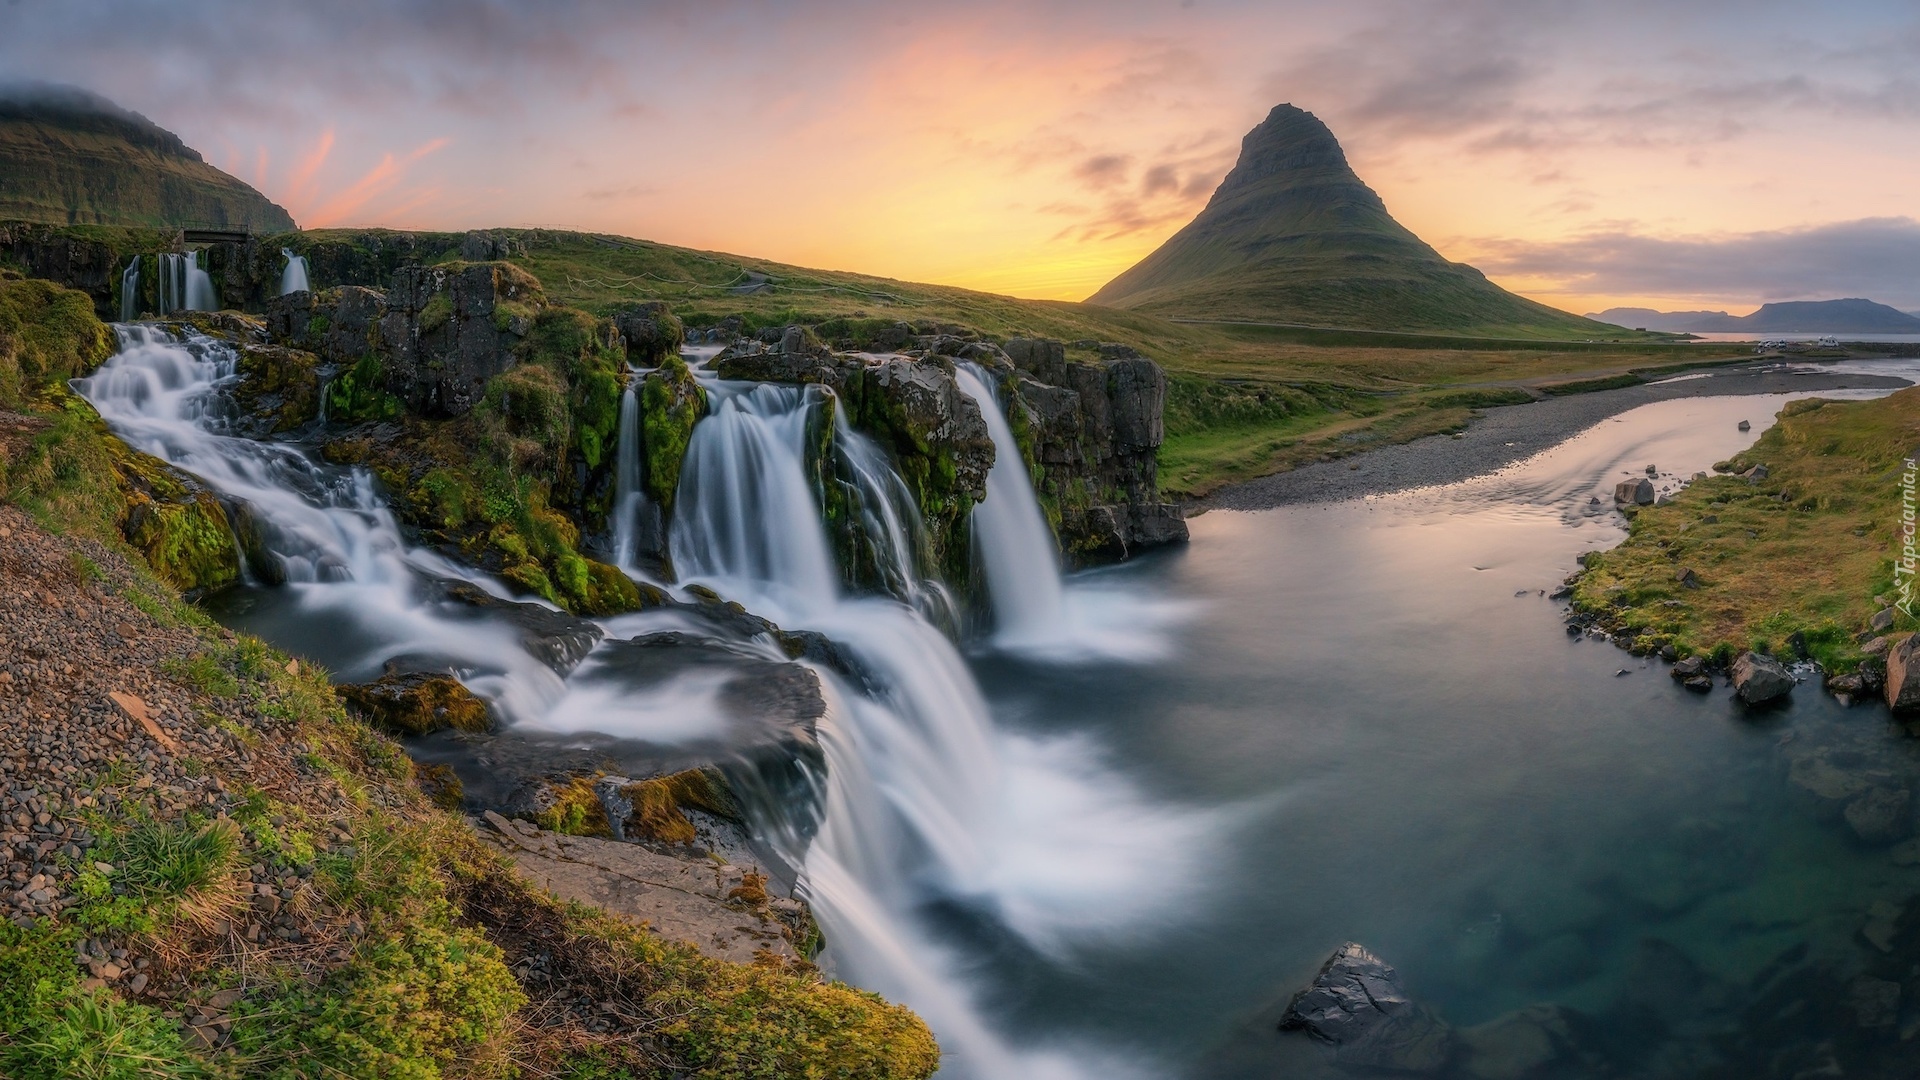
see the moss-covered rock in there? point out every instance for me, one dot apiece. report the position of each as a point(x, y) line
point(671, 403)
point(939, 443)
point(278, 389)
point(48, 335)
point(417, 703)
point(650, 331)
point(178, 525)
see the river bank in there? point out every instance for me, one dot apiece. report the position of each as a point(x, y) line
point(1503, 435)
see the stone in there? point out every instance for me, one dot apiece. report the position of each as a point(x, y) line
point(1536, 1041)
point(1699, 684)
point(1758, 472)
point(1357, 1005)
point(1633, 493)
point(1690, 668)
point(1883, 922)
point(1882, 621)
point(1746, 425)
point(1875, 1002)
point(1847, 686)
point(1687, 578)
point(1760, 679)
point(450, 328)
point(1881, 815)
point(650, 332)
point(417, 703)
point(1903, 673)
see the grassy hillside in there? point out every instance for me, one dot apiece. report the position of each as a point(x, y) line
point(1293, 236)
point(68, 157)
point(1246, 399)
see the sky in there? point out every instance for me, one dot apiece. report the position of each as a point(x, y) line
point(1677, 155)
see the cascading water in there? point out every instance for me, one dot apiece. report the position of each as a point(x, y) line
point(629, 497)
point(890, 533)
point(293, 279)
point(184, 285)
point(130, 291)
point(1015, 546)
point(927, 805)
point(920, 805)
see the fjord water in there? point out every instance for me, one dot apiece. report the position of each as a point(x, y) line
point(1117, 851)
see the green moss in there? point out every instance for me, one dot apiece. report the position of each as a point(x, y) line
point(48, 335)
point(671, 403)
point(437, 313)
point(930, 470)
point(360, 394)
point(189, 544)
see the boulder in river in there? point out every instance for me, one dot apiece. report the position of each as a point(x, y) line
point(1759, 679)
point(1633, 492)
point(1903, 674)
point(1357, 1005)
point(1690, 668)
point(1882, 815)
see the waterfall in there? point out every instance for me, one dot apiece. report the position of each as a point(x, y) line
point(130, 291)
point(184, 285)
point(1014, 544)
point(294, 278)
point(631, 507)
point(325, 529)
point(890, 533)
point(745, 520)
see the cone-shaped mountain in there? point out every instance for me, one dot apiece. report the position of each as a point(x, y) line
point(1292, 235)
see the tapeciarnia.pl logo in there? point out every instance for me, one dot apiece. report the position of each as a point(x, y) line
point(1904, 565)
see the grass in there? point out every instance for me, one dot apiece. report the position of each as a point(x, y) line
point(1805, 552)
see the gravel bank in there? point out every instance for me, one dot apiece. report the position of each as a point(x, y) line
point(1510, 433)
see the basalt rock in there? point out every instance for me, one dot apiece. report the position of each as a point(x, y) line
point(450, 328)
point(650, 331)
point(1094, 430)
point(1760, 679)
point(1357, 1005)
point(790, 354)
point(1633, 493)
point(278, 389)
point(339, 325)
point(671, 403)
point(417, 703)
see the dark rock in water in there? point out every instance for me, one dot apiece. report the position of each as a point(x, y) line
point(1537, 1041)
point(1848, 686)
point(1699, 684)
point(1633, 492)
point(1881, 816)
point(1691, 668)
point(1357, 1005)
point(1759, 679)
point(796, 355)
point(416, 703)
point(1746, 425)
point(1903, 674)
point(555, 638)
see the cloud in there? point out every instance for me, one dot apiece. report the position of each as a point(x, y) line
point(1878, 258)
point(1103, 170)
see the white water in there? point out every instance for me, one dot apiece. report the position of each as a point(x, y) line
point(184, 286)
point(130, 291)
point(629, 495)
point(926, 801)
point(1015, 546)
point(294, 278)
point(1035, 613)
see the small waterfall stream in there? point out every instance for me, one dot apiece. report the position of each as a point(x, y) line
point(184, 285)
point(130, 291)
point(1015, 546)
point(294, 278)
point(631, 507)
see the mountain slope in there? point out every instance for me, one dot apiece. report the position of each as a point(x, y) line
point(1292, 235)
point(71, 157)
point(1848, 316)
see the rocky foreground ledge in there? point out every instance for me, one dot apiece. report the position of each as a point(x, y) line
point(211, 868)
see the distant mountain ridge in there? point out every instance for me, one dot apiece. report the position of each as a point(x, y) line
point(1292, 235)
point(71, 157)
point(1852, 315)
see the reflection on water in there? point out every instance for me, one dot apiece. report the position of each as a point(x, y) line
point(1411, 753)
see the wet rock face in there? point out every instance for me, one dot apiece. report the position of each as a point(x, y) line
point(339, 325)
point(416, 703)
point(795, 354)
point(1760, 679)
point(1357, 1005)
point(278, 389)
point(1095, 428)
